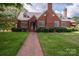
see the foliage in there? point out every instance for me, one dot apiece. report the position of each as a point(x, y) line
point(7, 24)
point(40, 29)
point(18, 29)
point(56, 29)
point(3, 5)
point(76, 18)
point(60, 29)
point(77, 27)
point(8, 14)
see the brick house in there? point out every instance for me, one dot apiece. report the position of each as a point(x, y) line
point(46, 19)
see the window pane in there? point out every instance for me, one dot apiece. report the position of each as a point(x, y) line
point(63, 24)
point(24, 24)
point(41, 23)
point(56, 24)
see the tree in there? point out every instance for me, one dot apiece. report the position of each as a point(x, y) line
point(76, 18)
point(9, 13)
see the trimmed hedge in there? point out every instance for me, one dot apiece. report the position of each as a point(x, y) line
point(18, 30)
point(60, 29)
point(51, 30)
point(55, 29)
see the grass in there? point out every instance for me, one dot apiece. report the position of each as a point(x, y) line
point(59, 44)
point(10, 42)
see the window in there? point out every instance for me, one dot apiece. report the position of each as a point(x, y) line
point(56, 24)
point(24, 25)
point(27, 16)
point(24, 14)
point(63, 24)
point(42, 23)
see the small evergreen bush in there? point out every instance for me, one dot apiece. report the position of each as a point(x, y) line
point(18, 29)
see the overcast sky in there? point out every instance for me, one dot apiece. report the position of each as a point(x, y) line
point(72, 8)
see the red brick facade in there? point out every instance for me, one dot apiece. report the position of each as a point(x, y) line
point(49, 17)
point(65, 12)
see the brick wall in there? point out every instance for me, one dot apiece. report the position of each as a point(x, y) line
point(51, 17)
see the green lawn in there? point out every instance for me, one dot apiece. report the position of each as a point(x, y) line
point(59, 44)
point(10, 42)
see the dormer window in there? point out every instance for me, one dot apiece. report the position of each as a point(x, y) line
point(27, 16)
point(24, 15)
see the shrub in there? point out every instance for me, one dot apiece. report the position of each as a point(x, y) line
point(37, 30)
point(60, 29)
point(63, 29)
point(13, 29)
point(40, 29)
point(18, 29)
point(74, 29)
point(69, 30)
point(51, 30)
point(77, 27)
point(46, 30)
point(56, 29)
point(23, 30)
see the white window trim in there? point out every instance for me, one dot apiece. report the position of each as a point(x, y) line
point(56, 23)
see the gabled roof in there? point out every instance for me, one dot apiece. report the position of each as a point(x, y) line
point(37, 15)
point(30, 14)
point(71, 20)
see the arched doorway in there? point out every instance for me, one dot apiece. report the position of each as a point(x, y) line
point(33, 26)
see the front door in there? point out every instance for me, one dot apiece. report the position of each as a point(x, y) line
point(33, 26)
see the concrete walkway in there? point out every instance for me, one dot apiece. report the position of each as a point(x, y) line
point(31, 46)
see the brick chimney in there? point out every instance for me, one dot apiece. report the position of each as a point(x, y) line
point(65, 13)
point(49, 15)
point(50, 7)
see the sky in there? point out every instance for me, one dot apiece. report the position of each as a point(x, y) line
point(72, 8)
